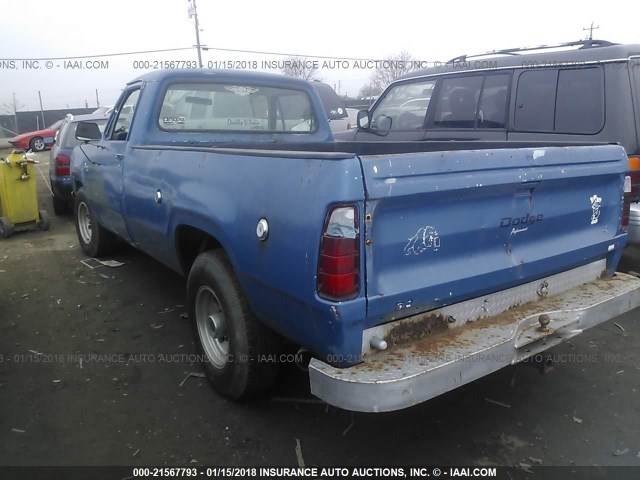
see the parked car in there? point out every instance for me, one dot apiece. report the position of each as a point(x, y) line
point(333, 106)
point(38, 140)
point(587, 93)
point(107, 110)
point(60, 157)
point(407, 269)
point(103, 110)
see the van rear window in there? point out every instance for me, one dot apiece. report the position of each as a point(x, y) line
point(560, 101)
point(535, 100)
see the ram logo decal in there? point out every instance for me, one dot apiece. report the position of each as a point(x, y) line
point(596, 201)
point(425, 238)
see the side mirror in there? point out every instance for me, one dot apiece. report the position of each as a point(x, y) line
point(363, 119)
point(87, 132)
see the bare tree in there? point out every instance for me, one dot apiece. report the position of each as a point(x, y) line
point(300, 67)
point(368, 91)
point(12, 109)
point(391, 68)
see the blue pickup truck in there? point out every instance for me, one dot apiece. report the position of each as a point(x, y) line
point(406, 269)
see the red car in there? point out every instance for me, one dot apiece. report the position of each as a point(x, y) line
point(36, 141)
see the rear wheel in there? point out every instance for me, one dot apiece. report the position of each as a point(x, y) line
point(37, 144)
point(6, 227)
point(239, 352)
point(94, 239)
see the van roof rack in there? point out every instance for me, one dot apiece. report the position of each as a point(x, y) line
point(518, 50)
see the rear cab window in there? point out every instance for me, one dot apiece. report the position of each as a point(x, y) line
point(222, 107)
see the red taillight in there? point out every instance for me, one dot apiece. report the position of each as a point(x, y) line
point(63, 165)
point(626, 204)
point(339, 261)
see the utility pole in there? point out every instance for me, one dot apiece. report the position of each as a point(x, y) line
point(97, 99)
point(591, 29)
point(193, 12)
point(41, 109)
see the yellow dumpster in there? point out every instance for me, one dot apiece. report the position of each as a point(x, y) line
point(18, 197)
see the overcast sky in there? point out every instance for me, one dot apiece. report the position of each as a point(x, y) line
point(32, 29)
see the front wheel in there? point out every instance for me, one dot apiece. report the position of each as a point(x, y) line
point(240, 354)
point(94, 239)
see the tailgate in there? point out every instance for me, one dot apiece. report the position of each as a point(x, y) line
point(444, 227)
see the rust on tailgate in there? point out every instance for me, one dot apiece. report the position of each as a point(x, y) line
point(421, 326)
point(431, 334)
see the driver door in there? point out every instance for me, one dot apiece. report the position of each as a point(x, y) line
point(104, 184)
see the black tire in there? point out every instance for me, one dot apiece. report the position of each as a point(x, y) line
point(6, 227)
point(60, 207)
point(250, 367)
point(43, 222)
point(37, 144)
point(94, 239)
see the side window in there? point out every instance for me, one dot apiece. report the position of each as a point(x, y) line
point(561, 101)
point(492, 111)
point(61, 133)
point(475, 101)
point(406, 105)
point(125, 115)
point(458, 102)
point(535, 101)
point(580, 101)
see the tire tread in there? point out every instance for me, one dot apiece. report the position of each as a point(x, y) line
point(257, 376)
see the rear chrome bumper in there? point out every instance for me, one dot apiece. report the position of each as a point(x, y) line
point(409, 373)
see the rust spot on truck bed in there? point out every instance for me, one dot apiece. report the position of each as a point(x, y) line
point(432, 334)
point(421, 326)
point(444, 341)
